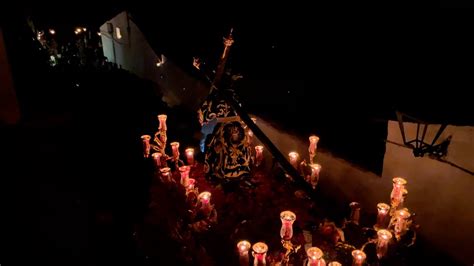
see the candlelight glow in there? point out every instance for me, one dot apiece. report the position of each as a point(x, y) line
point(382, 215)
point(165, 170)
point(287, 219)
point(383, 239)
point(314, 253)
point(52, 32)
point(166, 174)
point(383, 208)
point(293, 155)
point(204, 197)
point(384, 234)
point(313, 145)
point(146, 145)
point(314, 178)
point(260, 247)
point(403, 214)
point(401, 222)
point(162, 119)
point(175, 149)
point(358, 257)
point(399, 181)
point(258, 155)
point(355, 212)
point(189, 151)
point(189, 156)
point(184, 172)
point(293, 158)
point(288, 216)
point(243, 246)
point(190, 185)
point(314, 139)
point(260, 253)
point(174, 145)
point(157, 158)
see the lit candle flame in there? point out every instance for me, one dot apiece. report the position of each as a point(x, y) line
point(243, 246)
point(189, 151)
point(205, 197)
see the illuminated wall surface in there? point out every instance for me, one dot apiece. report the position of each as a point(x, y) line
point(439, 193)
point(133, 53)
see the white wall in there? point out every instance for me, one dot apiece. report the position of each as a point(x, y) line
point(134, 54)
point(440, 194)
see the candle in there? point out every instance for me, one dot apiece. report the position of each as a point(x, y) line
point(175, 149)
point(190, 156)
point(314, 179)
point(258, 155)
point(165, 174)
point(287, 219)
point(293, 158)
point(243, 249)
point(190, 186)
point(315, 257)
point(397, 191)
point(259, 252)
point(334, 263)
point(249, 135)
point(401, 221)
point(313, 145)
point(383, 238)
point(162, 120)
point(157, 159)
point(146, 145)
point(355, 212)
point(160, 136)
point(184, 172)
point(382, 215)
point(358, 257)
point(205, 200)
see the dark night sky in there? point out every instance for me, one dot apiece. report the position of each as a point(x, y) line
point(403, 56)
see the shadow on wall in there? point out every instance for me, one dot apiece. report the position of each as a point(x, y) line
point(439, 193)
point(344, 182)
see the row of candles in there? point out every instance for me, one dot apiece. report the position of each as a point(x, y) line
point(313, 177)
point(160, 162)
point(157, 155)
point(314, 254)
point(293, 157)
point(399, 222)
